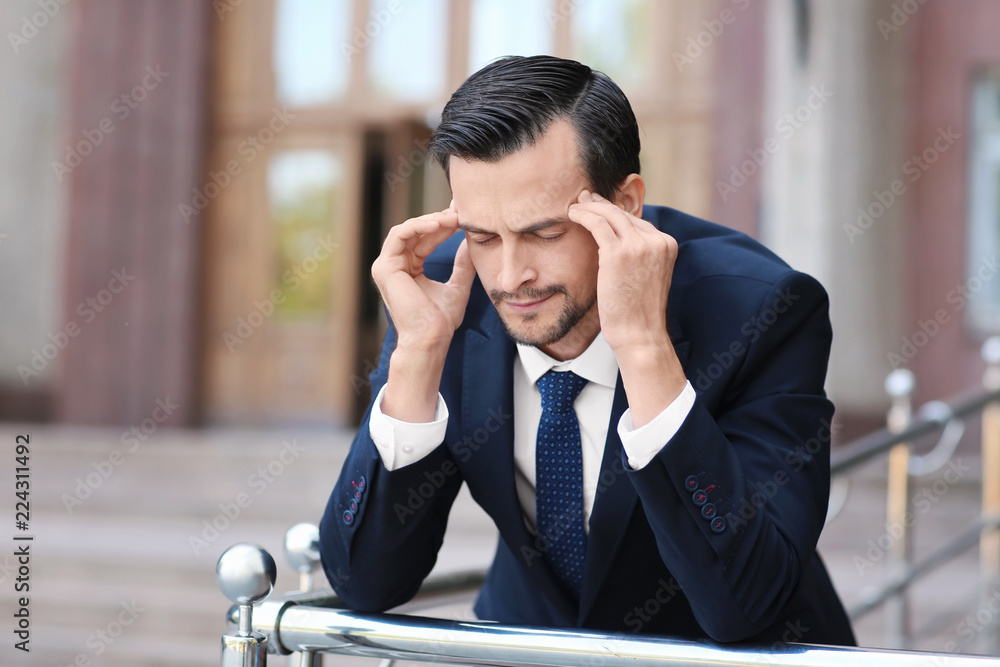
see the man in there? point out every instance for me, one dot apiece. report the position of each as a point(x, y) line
point(633, 395)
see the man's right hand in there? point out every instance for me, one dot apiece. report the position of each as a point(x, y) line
point(424, 312)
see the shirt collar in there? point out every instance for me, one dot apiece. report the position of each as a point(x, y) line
point(596, 364)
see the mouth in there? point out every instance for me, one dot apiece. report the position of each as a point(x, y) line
point(526, 306)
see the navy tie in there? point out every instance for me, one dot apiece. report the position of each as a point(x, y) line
point(559, 479)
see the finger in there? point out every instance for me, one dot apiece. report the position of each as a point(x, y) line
point(427, 243)
point(620, 220)
point(403, 236)
point(463, 272)
point(597, 225)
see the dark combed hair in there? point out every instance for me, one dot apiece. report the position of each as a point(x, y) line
point(510, 103)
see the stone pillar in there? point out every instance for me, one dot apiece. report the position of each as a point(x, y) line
point(33, 68)
point(836, 111)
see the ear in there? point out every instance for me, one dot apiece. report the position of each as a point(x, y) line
point(631, 195)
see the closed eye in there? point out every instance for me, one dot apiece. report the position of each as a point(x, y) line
point(482, 239)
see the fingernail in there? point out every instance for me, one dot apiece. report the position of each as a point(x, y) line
point(597, 197)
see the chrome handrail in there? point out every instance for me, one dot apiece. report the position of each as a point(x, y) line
point(448, 641)
point(307, 623)
point(302, 629)
point(297, 628)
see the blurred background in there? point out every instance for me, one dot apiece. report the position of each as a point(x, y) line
point(192, 193)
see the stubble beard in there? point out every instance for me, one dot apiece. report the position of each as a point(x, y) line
point(570, 315)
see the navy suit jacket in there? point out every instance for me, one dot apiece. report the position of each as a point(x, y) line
point(714, 538)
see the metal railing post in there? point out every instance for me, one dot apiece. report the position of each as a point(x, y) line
point(899, 384)
point(246, 575)
point(989, 544)
point(302, 552)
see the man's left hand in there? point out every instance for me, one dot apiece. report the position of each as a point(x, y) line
point(636, 262)
point(635, 267)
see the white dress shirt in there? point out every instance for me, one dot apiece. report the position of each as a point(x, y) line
point(402, 443)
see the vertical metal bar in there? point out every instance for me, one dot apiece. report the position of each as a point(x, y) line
point(899, 385)
point(302, 552)
point(989, 544)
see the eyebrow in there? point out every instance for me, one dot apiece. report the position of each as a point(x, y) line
point(534, 227)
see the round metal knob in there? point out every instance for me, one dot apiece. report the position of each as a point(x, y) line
point(900, 383)
point(302, 547)
point(991, 350)
point(246, 573)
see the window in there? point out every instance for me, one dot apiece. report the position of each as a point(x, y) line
point(309, 65)
point(409, 42)
point(983, 314)
point(509, 28)
point(303, 188)
point(614, 37)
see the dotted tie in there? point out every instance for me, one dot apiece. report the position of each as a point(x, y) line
point(559, 479)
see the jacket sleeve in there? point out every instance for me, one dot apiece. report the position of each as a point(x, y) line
point(738, 496)
point(381, 531)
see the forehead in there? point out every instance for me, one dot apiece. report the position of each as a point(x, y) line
point(538, 182)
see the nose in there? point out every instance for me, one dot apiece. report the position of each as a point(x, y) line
point(516, 268)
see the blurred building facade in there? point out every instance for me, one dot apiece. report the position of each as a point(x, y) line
point(195, 191)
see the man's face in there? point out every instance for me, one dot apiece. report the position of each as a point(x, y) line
point(538, 267)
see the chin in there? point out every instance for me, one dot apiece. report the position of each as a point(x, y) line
point(535, 336)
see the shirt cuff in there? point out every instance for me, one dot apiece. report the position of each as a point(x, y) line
point(645, 442)
point(401, 443)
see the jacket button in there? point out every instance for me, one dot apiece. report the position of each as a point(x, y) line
point(348, 517)
point(691, 483)
point(708, 511)
point(361, 483)
point(699, 497)
point(718, 525)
